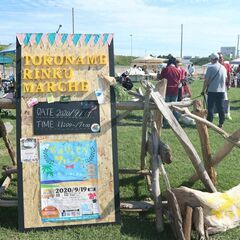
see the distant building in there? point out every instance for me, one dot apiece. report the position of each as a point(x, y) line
point(228, 51)
point(187, 57)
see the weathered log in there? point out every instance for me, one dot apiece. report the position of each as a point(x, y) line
point(175, 215)
point(5, 185)
point(7, 142)
point(137, 95)
point(155, 183)
point(184, 140)
point(149, 185)
point(144, 130)
point(160, 87)
point(198, 221)
point(224, 134)
point(187, 223)
point(163, 149)
point(156, 143)
point(139, 206)
point(204, 140)
point(134, 171)
point(8, 203)
point(216, 219)
point(139, 91)
point(9, 171)
point(221, 154)
point(226, 148)
point(133, 105)
point(164, 173)
point(7, 103)
point(156, 192)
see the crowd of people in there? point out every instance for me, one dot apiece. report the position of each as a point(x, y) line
point(218, 80)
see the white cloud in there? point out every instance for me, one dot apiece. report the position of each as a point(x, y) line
point(154, 24)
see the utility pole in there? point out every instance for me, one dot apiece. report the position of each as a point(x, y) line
point(131, 46)
point(237, 51)
point(181, 41)
point(73, 20)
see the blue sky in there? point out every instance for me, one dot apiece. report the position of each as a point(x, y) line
point(155, 25)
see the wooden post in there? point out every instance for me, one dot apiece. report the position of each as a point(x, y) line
point(187, 223)
point(144, 130)
point(184, 140)
point(221, 153)
point(3, 134)
point(220, 131)
point(175, 215)
point(160, 87)
point(198, 221)
point(156, 185)
point(5, 185)
point(204, 139)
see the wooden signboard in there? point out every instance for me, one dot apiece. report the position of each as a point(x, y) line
point(66, 131)
point(70, 117)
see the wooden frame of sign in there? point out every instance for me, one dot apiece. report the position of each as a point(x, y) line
point(66, 131)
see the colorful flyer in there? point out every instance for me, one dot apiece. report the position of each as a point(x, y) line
point(50, 98)
point(29, 151)
point(69, 173)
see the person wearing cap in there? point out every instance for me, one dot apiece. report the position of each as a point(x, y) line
point(228, 83)
point(215, 86)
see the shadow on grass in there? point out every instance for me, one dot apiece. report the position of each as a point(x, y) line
point(234, 108)
point(9, 217)
point(136, 118)
point(234, 101)
point(144, 228)
point(129, 124)
point(137, 183)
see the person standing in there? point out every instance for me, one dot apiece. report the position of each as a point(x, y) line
point(172, 74)
point(191, 69)
point(182, 76)
point(228, 84)
point(215, 87)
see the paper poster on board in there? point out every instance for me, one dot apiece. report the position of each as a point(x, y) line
point(69, 175)
point(29, 151)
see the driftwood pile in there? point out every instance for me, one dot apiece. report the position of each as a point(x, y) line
point(154, 109)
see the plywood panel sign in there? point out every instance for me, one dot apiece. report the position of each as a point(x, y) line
point(66, 133)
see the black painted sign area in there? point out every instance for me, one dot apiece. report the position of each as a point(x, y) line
point(65, 118)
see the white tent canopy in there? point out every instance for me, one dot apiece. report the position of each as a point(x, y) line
point(148, 60)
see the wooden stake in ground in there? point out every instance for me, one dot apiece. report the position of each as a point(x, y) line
point(3, 134)
point(175, 215)
point(160, 87)
point(221, 154)
point(198, 221)
point(156, 185)
point(204, 139)
point(187, 223)
point(184, 140)
point(144, 130)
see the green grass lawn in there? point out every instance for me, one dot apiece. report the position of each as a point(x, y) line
point(135, 226)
